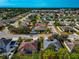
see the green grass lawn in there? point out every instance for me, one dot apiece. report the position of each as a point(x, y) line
point(27, 56)
point(36, 56)
point(2, 57)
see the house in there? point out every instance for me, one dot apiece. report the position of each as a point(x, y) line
point(13, 44)
point(73, 37)
point(40, 24)
point(25, 23)
point(50, 23)
point(27, 47)
point(70, 45)
point(54, 42)
point(33, 32)
point(3, 43)
point(40, 29)
point(67, 29)
point(11, 47)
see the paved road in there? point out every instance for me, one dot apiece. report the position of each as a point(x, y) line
point(34, 36)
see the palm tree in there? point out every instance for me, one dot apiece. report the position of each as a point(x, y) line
point(74, 56)
point(76, 48)
point(61, 52)
point(67, 56)
point(60, 37)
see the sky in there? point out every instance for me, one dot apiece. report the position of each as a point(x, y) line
point(40, 3)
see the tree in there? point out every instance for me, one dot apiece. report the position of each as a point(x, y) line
point(51, 47)
point(48, 30)
point(50, 38)
point(76, 48)
point(16, 56)
point(20, 39)
point(74, 56)
point(60, 37)
point(56, 36)
point(49, 54)
point(57, 23)
point(61, 53)
point(12, 29)
point(37, 17)
point(2, 27)
point(67, 56)
point(19, 22)
point(24, 30)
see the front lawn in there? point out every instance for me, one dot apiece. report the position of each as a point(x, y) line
point(26, 56)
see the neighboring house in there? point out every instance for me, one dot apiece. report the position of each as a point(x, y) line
point(55, 42)
point(11, 47)
point(73, 37)
point(62, 24)
point(40, 24)
point(50, 23)
point(70, 45)
point(25, 23)
point(12, 44)
point(67, 28)
point(3, 43)
point(33, 31)
point(27, 47)
point(40, 28)
point(1, 25)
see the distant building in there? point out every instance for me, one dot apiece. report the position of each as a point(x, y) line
point(73, 37)
point(1, 24)
point(50, 23)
